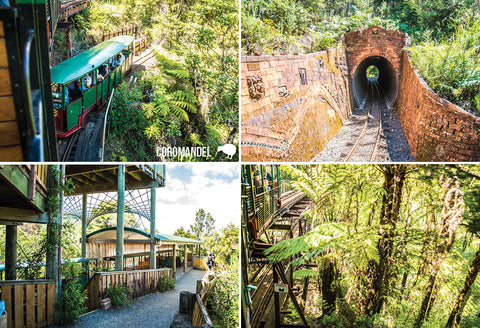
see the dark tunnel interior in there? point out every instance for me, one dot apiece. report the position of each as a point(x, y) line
point(387, 81)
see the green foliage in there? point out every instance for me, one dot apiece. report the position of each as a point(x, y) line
point(72, 302)
point(165, 284)
point(173, 97)
point(128, 124)
point(345, 230)
point(372, 71)
point(224, 300)
point(223, 244)
point(203, 225)
point(119, 295)
point(452, 67)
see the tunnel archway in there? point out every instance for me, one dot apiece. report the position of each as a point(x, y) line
point(387, 80)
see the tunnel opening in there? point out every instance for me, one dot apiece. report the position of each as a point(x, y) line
point(375, 75)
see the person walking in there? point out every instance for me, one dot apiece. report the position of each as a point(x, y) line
point(210, 262)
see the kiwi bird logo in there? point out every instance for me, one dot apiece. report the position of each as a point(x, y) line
point(227, 149)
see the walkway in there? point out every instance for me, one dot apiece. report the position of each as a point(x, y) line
point(152, 311)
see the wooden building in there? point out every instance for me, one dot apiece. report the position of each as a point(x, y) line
point(101, 244)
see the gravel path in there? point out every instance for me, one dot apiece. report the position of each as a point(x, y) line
point(152, 311)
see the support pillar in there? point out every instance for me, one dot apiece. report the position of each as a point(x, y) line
point(60, 219)
point(84, 225)
point(53, 226)
point(153, 253)
point(84, 230)
point(185, 258)
point(276, 299)
point(120, 218)
point(174, 269)
point(11, 252)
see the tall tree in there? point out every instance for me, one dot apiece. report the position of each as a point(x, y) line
point(203, 225)
point(452, 214)
point(379, 273)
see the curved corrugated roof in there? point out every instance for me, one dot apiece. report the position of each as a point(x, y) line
point(74, 68)
point(158, 236)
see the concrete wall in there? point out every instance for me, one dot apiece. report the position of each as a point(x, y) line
point(436, 129)
point(284, 119)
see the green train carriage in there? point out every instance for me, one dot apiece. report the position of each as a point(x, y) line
point(70, 114)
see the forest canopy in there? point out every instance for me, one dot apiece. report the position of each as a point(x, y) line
point(389, 245)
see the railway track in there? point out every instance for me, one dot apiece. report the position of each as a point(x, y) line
point(366, 146)
point(84, 144)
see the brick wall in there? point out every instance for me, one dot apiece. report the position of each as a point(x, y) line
point(300, 108)
point(436, 129)
point(374, 41)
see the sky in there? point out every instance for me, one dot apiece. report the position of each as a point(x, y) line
point(215, 187)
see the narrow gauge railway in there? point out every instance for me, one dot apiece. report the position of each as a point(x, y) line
point(98, 64)
point(366, 146)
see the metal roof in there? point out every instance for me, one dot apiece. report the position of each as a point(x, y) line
point(74, 68)
point(159, 236)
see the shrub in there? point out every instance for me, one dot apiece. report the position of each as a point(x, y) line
point(72, 302)
point(452, 67)
point(224, 298)
point(165, 284)
point(119, 295)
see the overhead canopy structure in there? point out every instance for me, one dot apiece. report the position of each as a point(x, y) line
point(74, 68)
point(137, 202)
point(104, 178)
point(136, 236)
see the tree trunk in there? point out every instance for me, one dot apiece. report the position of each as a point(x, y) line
point(472, 275)
point(452, 214)
point(305, 289)
point(379, 273)
point(328, 274)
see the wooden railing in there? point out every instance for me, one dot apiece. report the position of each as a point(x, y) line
point(140, 45)
point(200, 317)
point(130, 30)
point(29, 303)
point(139, 283)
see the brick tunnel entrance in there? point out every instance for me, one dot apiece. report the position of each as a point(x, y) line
point(385, 85)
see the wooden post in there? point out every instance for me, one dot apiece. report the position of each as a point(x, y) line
point(174, 264)
point(120, 217)
point(153, 253)
point(84, 225)
point(11, 253)
point(185, 258)
point(199, 286)
point(276, 299)
point(52, 225)
point(60, 219)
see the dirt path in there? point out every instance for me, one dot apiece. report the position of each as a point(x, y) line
point(152, 311)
